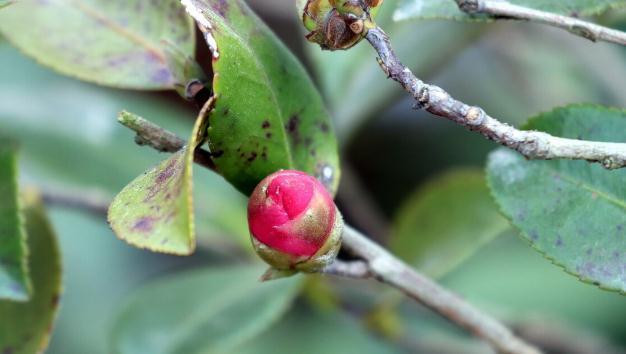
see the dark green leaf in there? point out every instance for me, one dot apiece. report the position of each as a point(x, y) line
point(115, 43)
point(353, 83)
point(448, 9)
point(268, 114)
point(155, 211)
point(14, 281)
point(207, 311)
point(446, 221)
point(573, 212)
point(305, 330)
point(25, 328)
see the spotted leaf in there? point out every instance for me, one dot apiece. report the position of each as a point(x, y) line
point(573, 212)
point(268, 114)
point(155, 211)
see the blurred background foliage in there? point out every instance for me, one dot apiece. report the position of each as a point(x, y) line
point(69, 140)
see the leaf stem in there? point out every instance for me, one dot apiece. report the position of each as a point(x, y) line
point(532, 144)
point(504, 9)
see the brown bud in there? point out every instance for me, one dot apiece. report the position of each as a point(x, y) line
point(337, 24)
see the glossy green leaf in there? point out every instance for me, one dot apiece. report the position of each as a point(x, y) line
point(115, 43)
point(26, 327)
point(268, 114)
point(304, 330)
point(205, 311)
point(573, 212)
point(155, 211)
point(83, 162)
point(355, 87)
point(446, 221)
point(448, 9)
point(14, 281)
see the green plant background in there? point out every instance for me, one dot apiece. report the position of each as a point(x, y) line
point(69, 139)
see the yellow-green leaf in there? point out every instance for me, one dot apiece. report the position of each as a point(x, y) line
point(155, 211)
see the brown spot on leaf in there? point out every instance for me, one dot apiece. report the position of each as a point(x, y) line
point(559, 241)
point(324, 127)
point(167, 172)
point(145, 224)
point(266, 124)
point(292, 127)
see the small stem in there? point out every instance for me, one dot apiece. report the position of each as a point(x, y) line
point(94, 202)
point(388, 269)
point(532, 144)
point(504, 9)
point(160, 139)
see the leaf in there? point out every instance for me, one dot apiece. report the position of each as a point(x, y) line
point(446, 221)
point(354, 85)
point(114, 43)
point(573, 212)
point(205, 311)
point(508, 278)
point(268, 114)
point(103, 158)
point(25, 328)
point(304, 330)
point(14, 280)
point(448, 9)
point(155, 211)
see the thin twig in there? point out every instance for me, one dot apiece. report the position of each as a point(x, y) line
point(93, 202)
point(386, 268)
point(504, 9)
point(532, 144)
point(160, 139)
point(352, 269)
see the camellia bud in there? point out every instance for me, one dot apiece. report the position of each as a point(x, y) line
point(337, 24)
point(294, 223)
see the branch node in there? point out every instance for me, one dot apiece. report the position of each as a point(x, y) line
point(611, 163)
point(475, 116)
point(470, 6)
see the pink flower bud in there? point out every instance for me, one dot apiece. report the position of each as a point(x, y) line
point(294, 222)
